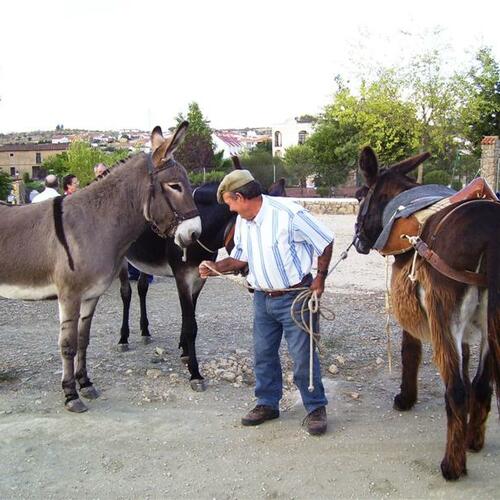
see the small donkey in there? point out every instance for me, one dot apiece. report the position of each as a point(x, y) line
point(72, 248)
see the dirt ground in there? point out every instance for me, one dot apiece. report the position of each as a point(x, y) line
point(150, 436)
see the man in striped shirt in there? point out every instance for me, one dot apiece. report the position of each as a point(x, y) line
point(277, 239)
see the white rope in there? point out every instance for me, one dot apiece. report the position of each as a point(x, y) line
point(309, 304)
point(388, 315)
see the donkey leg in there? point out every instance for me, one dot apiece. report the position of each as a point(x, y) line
point(69, 311)
point(87, 390)
point(480, 402)
point(189, 285)
point(411, 355)
point(142, 289)
point(126, 295)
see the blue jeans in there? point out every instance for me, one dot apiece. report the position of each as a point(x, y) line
point(272, 319)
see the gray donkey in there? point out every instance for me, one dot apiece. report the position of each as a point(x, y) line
point(72, 248)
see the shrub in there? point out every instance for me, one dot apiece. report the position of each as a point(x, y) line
point(437, 177)
point(5, 185)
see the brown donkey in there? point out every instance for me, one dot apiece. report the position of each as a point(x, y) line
point(465, 239)
point(72, 248)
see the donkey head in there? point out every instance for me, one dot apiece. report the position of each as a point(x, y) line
point(382, 185)
point(170, 207)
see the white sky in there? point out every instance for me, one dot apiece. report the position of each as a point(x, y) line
point(110, 64)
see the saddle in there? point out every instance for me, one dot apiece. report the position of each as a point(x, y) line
point(397, 243)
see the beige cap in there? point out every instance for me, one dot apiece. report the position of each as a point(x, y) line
point(232, 182)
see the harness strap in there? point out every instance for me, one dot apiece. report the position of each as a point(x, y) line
point(467, 277)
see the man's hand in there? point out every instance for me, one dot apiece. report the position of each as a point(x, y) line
point(203, 269)
point(318, 285)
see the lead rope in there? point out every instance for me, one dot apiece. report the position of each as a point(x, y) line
point(388, 315)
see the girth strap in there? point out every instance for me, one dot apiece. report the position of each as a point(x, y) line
point(467, 277)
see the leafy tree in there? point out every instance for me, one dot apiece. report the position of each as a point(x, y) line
point(385, 120)
point(266, 146)
point(480, 113)
point(436, 101)
point(5, 185)
point(80, 159)
point(263, 166)
point(335, 141)
point(437, 177)
point(197, 150)
point(299, 162)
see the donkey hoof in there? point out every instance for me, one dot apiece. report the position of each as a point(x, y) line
point(452, 472)
point(475, 442)
point(146, 339)
point(401, 403)
point(198, 385)
point(75, 406)
point(184, 360)
point(123, 347)
point(89, 392)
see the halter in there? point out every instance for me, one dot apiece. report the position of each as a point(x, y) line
point(359, 226)
point(177, 217)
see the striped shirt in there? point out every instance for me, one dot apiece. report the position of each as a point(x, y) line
point(279, 243)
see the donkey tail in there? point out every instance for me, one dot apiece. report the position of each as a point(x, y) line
point(493, 272)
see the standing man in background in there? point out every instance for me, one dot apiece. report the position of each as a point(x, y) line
point(50, 191)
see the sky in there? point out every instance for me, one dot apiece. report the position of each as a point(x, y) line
point(109, 64)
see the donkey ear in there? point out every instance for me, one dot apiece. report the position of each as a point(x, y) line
point(236, 162)
point(368, 164)
point(156, 138)
point(405, 166)
point(179, 136)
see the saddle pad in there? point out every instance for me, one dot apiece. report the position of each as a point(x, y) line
point(412, 225)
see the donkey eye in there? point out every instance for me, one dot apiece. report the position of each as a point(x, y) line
point(175, 186)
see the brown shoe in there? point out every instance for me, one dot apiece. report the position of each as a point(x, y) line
point(259, 415)
point(315, 422)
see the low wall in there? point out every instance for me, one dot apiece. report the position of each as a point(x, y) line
point(329, 205)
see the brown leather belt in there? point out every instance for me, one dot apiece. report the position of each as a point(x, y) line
point(306, 281)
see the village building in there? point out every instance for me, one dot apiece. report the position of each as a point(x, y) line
point(18, 159)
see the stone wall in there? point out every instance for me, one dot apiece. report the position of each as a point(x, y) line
point(490, 157)
point(329, 205)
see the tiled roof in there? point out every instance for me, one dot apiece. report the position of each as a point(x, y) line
point(489, 139)
point(33, 147)
point(229, 139)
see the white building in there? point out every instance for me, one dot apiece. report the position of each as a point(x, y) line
point(290, 133)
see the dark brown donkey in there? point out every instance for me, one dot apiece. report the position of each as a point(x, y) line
point(438, 309)
point(72, 248)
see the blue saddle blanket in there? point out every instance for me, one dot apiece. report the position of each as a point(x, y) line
point(407, 203)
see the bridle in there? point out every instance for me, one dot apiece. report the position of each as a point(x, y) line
point(359, 229)
point(177, 216)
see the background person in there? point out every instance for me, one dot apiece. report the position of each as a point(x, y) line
point(100, 170)
point(70, 184)
point(277, 239)
point(50, 191)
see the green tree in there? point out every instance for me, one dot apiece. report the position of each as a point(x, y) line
point(197, 150)
point(5, 185)
point(299, 162)
point(335, 141)
point(263, 166)
point(80, 160)
point(480, 113)
point(437, 103)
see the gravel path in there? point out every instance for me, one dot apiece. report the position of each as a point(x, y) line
point(150, 436)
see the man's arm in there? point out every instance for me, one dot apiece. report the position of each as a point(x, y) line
point(318, 284)
point(222, 266)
